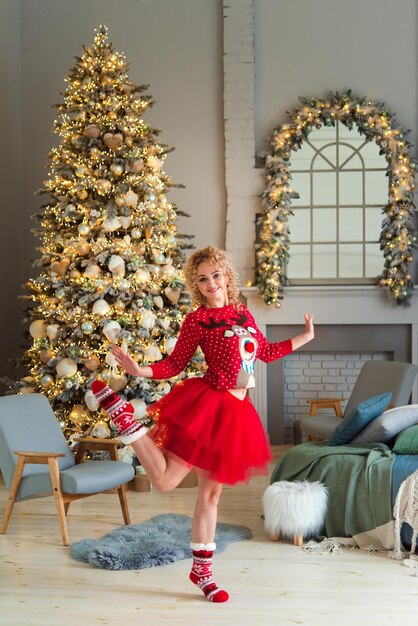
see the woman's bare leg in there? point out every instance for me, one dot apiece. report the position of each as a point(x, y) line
point(206, 510)
point(163, 471)
point(203, 534)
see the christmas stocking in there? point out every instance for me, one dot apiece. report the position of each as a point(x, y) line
point(120, 411)
point(201, 574)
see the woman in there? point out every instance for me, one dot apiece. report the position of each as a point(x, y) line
point(205, 423)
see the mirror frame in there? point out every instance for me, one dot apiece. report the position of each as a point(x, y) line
point(397, 238)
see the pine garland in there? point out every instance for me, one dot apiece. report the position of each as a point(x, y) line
point(397, 238)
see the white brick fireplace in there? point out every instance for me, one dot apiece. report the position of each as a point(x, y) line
point(353, 324)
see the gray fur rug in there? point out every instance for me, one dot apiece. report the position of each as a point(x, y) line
point(162, 539)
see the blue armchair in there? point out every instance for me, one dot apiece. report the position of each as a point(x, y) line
point(36, 460)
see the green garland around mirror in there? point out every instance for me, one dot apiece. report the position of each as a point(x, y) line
point(397, 238)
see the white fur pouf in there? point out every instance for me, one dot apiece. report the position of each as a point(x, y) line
point(294, 509)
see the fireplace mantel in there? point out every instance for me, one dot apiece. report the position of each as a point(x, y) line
point(365, 304)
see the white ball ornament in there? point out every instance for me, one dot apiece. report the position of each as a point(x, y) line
point(101, 307)
point(142, 275)
point(91, 400)
point(92, 270)
point(125, 220)
point(117, 265)
point(38, 329)
point(112, 331)
point(147, 320)
point(111, 224)
point(140, 408)
point(111, 360)
point(131, 199)
point(169, 344)
point(100, 430)
point(66, 368)
point(152, 353)
point(154, 163)
point(123, 284)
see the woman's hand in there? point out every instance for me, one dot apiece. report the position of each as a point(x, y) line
point(309, 325)
point(127, 362)
point(307, 335)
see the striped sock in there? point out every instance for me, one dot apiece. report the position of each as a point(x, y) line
point(201, 574)
point(120, 412)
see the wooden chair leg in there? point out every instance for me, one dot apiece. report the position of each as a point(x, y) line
point(66, 507)
point(59, 501)
point(298, 540)
point(14, 488)
point(124, 505)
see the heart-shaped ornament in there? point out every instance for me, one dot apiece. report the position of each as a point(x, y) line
point(113, 141)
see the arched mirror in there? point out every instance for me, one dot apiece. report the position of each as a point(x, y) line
point(341, 181)
point(338, 206)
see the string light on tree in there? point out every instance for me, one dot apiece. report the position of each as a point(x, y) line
point(111, 254)
point(397, 238)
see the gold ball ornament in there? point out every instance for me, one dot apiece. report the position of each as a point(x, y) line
point(116, 383)
point(117, 169)
point(136, 233)
point(87, 328)
point(92, 363)
point(82, 194)
point(103, 186)
point(92, 132)
point(83, 229)
point(46, 380)
point(137, 166)
point(46, 355)
point(119, 305)
point(81, 171)
point(79, 415)
point(83, 248)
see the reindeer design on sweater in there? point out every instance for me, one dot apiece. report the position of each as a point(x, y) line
point(247, 345)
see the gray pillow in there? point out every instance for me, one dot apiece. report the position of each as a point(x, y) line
point(388, 425)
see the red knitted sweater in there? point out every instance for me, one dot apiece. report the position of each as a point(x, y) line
point(230, 341)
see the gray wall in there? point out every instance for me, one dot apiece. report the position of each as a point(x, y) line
point(302, 47)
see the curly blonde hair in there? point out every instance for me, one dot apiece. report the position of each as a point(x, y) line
point(216, 257)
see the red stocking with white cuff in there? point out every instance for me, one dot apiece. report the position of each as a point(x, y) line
point(201, 574)
point(120, 412)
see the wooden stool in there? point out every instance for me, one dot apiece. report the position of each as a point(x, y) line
point(326, 403)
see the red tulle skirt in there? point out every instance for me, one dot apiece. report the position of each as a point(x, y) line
point(211, 430)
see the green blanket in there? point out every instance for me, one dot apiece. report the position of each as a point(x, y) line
point(358, 478)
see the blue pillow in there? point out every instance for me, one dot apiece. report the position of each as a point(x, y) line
point(362, 415)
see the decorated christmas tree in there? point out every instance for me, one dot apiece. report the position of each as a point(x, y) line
point(110, 255)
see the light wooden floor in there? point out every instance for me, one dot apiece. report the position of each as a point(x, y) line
point(269, 582)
